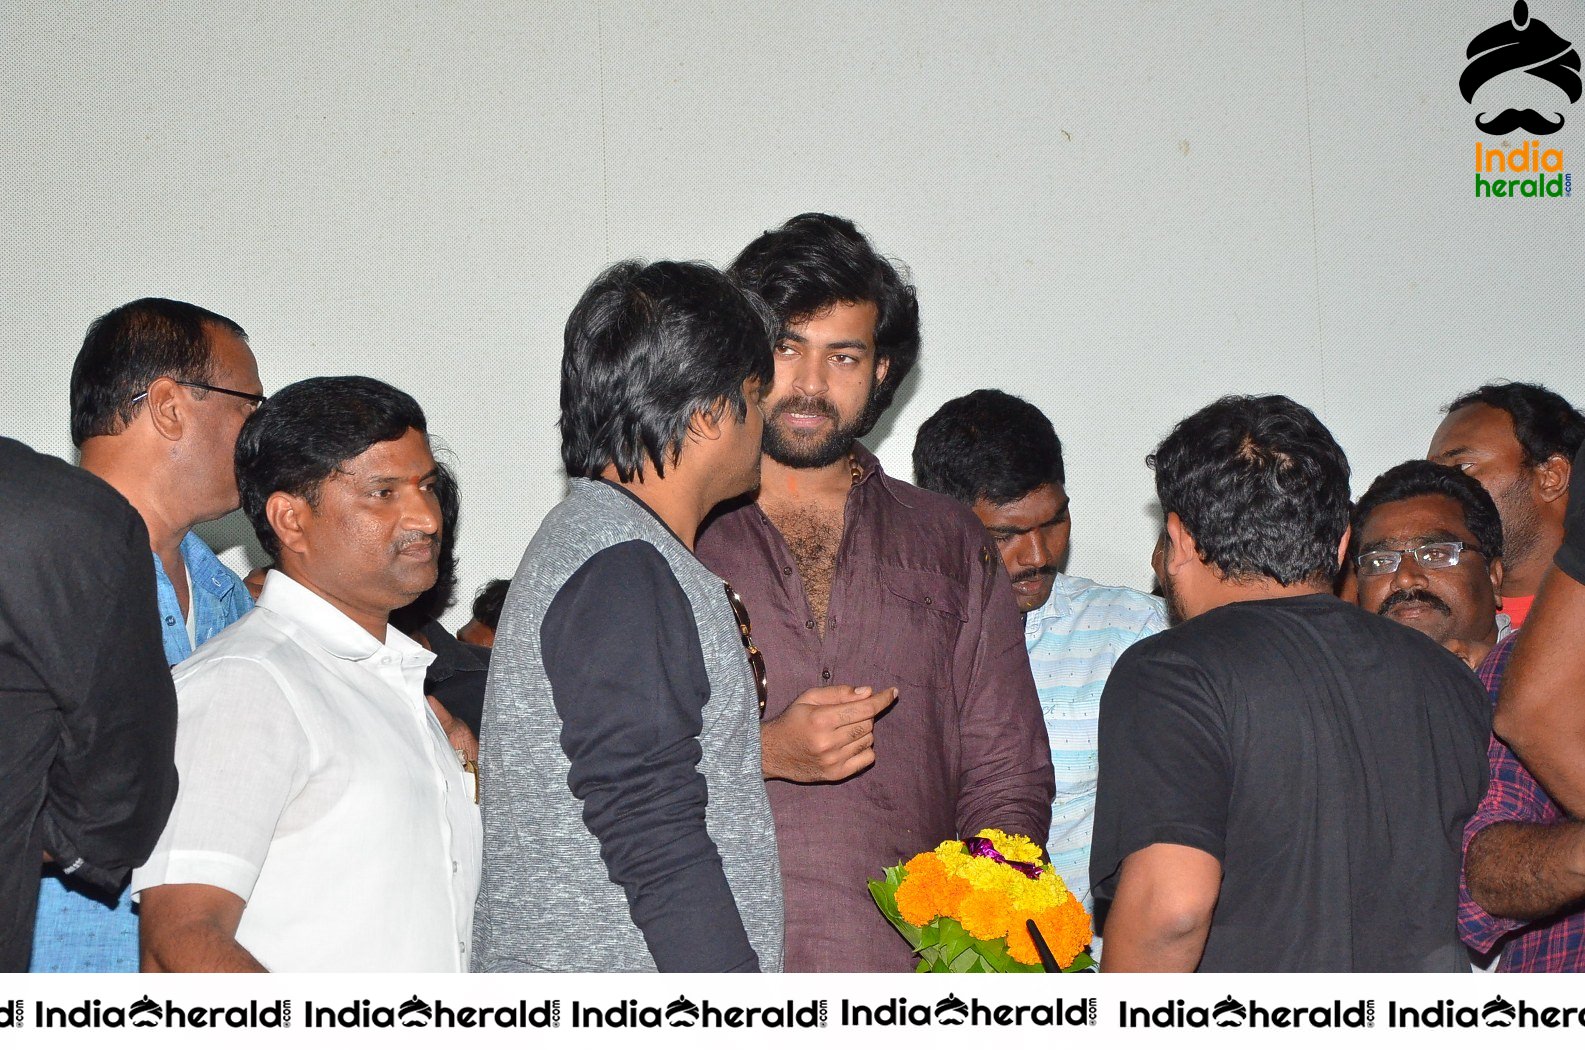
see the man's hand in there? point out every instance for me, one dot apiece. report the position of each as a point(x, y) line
point(457, 732)
point(826, 735)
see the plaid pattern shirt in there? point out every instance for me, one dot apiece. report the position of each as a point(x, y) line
point(1552, 945)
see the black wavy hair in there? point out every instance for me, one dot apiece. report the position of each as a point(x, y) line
point(1544, 423)
point(297, 439)
point(1261, 485)
point(815, 261)
point(1421, 477)
point(488, 602)
point(987, 445)
point(433, 603)
point(130, 347)
point(648, 346)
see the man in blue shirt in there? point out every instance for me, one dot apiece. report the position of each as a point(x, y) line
point(1000, 455)
point(159, 392)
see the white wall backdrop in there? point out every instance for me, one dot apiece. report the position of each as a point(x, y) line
point(1119, 210)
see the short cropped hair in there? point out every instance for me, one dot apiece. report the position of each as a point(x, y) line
point(1262, 487)
point(987, 445)
point(129, 348)
point(1421, 477)
point(300, 436)
point(1543, 422)
point(646, 348)
point(814, 262)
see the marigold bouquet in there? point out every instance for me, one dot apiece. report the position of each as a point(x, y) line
point(966, 906)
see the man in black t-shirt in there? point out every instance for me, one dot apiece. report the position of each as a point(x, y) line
point(1283, 776)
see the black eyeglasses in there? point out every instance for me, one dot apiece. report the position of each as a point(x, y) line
point(255, 399)
point(756, 659)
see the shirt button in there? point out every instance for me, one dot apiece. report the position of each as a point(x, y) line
point(786, 570)
point(930, 601)
point(454, 867)
point(810, 624)
point(826, 674)
point(170, 621)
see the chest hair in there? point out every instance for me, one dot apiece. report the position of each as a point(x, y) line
point(814, 535)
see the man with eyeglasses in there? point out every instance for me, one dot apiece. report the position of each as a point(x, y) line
point(1428, 547)
point(159, 393)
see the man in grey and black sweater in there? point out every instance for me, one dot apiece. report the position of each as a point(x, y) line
point(626, 821)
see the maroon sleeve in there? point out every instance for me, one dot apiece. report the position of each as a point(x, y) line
point(1006, 778)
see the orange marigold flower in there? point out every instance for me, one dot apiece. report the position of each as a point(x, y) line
point(1066, 929)
point(925, 864)
point(984, 914)
point(915, 901)
point(1020, 945)
point(950, 894)
point(919, 894)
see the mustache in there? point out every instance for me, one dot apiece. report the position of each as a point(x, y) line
point(414, 539)
point(1509, 119)
point(1034, 574)
point(1397, 598)
point(805, 406)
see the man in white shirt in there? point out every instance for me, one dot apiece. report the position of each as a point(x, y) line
point(323, 821)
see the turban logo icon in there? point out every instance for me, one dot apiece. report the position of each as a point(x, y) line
point(682, 1013)
point(951, 1010)
point(1499, 1013)
point(1228, 1013)
point(1521, 43)
point(414, 1012)
point(145, 1013)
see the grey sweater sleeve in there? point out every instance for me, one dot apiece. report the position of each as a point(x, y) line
point(621, 650)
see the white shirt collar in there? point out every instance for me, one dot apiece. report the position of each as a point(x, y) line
point(332, 630)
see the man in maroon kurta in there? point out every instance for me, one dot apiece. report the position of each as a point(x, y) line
point(851, 577)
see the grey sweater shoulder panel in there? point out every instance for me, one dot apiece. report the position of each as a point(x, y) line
point(545, 901)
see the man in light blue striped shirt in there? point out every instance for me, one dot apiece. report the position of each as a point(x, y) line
point(999, 455)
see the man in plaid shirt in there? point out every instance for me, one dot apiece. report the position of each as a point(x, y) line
point(1524, 858)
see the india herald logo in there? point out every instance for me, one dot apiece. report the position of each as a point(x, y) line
point(1527, 44)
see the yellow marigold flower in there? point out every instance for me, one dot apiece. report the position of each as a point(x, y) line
point(1014, 847)
point(951, 855)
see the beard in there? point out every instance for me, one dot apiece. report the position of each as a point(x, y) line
point(1176, 612)
point(809, 452)
point(1521, 525)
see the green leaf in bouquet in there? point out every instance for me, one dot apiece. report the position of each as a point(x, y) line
point(999, 961)
point(884, 893)
point(1081, 962)
point(967, 961)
